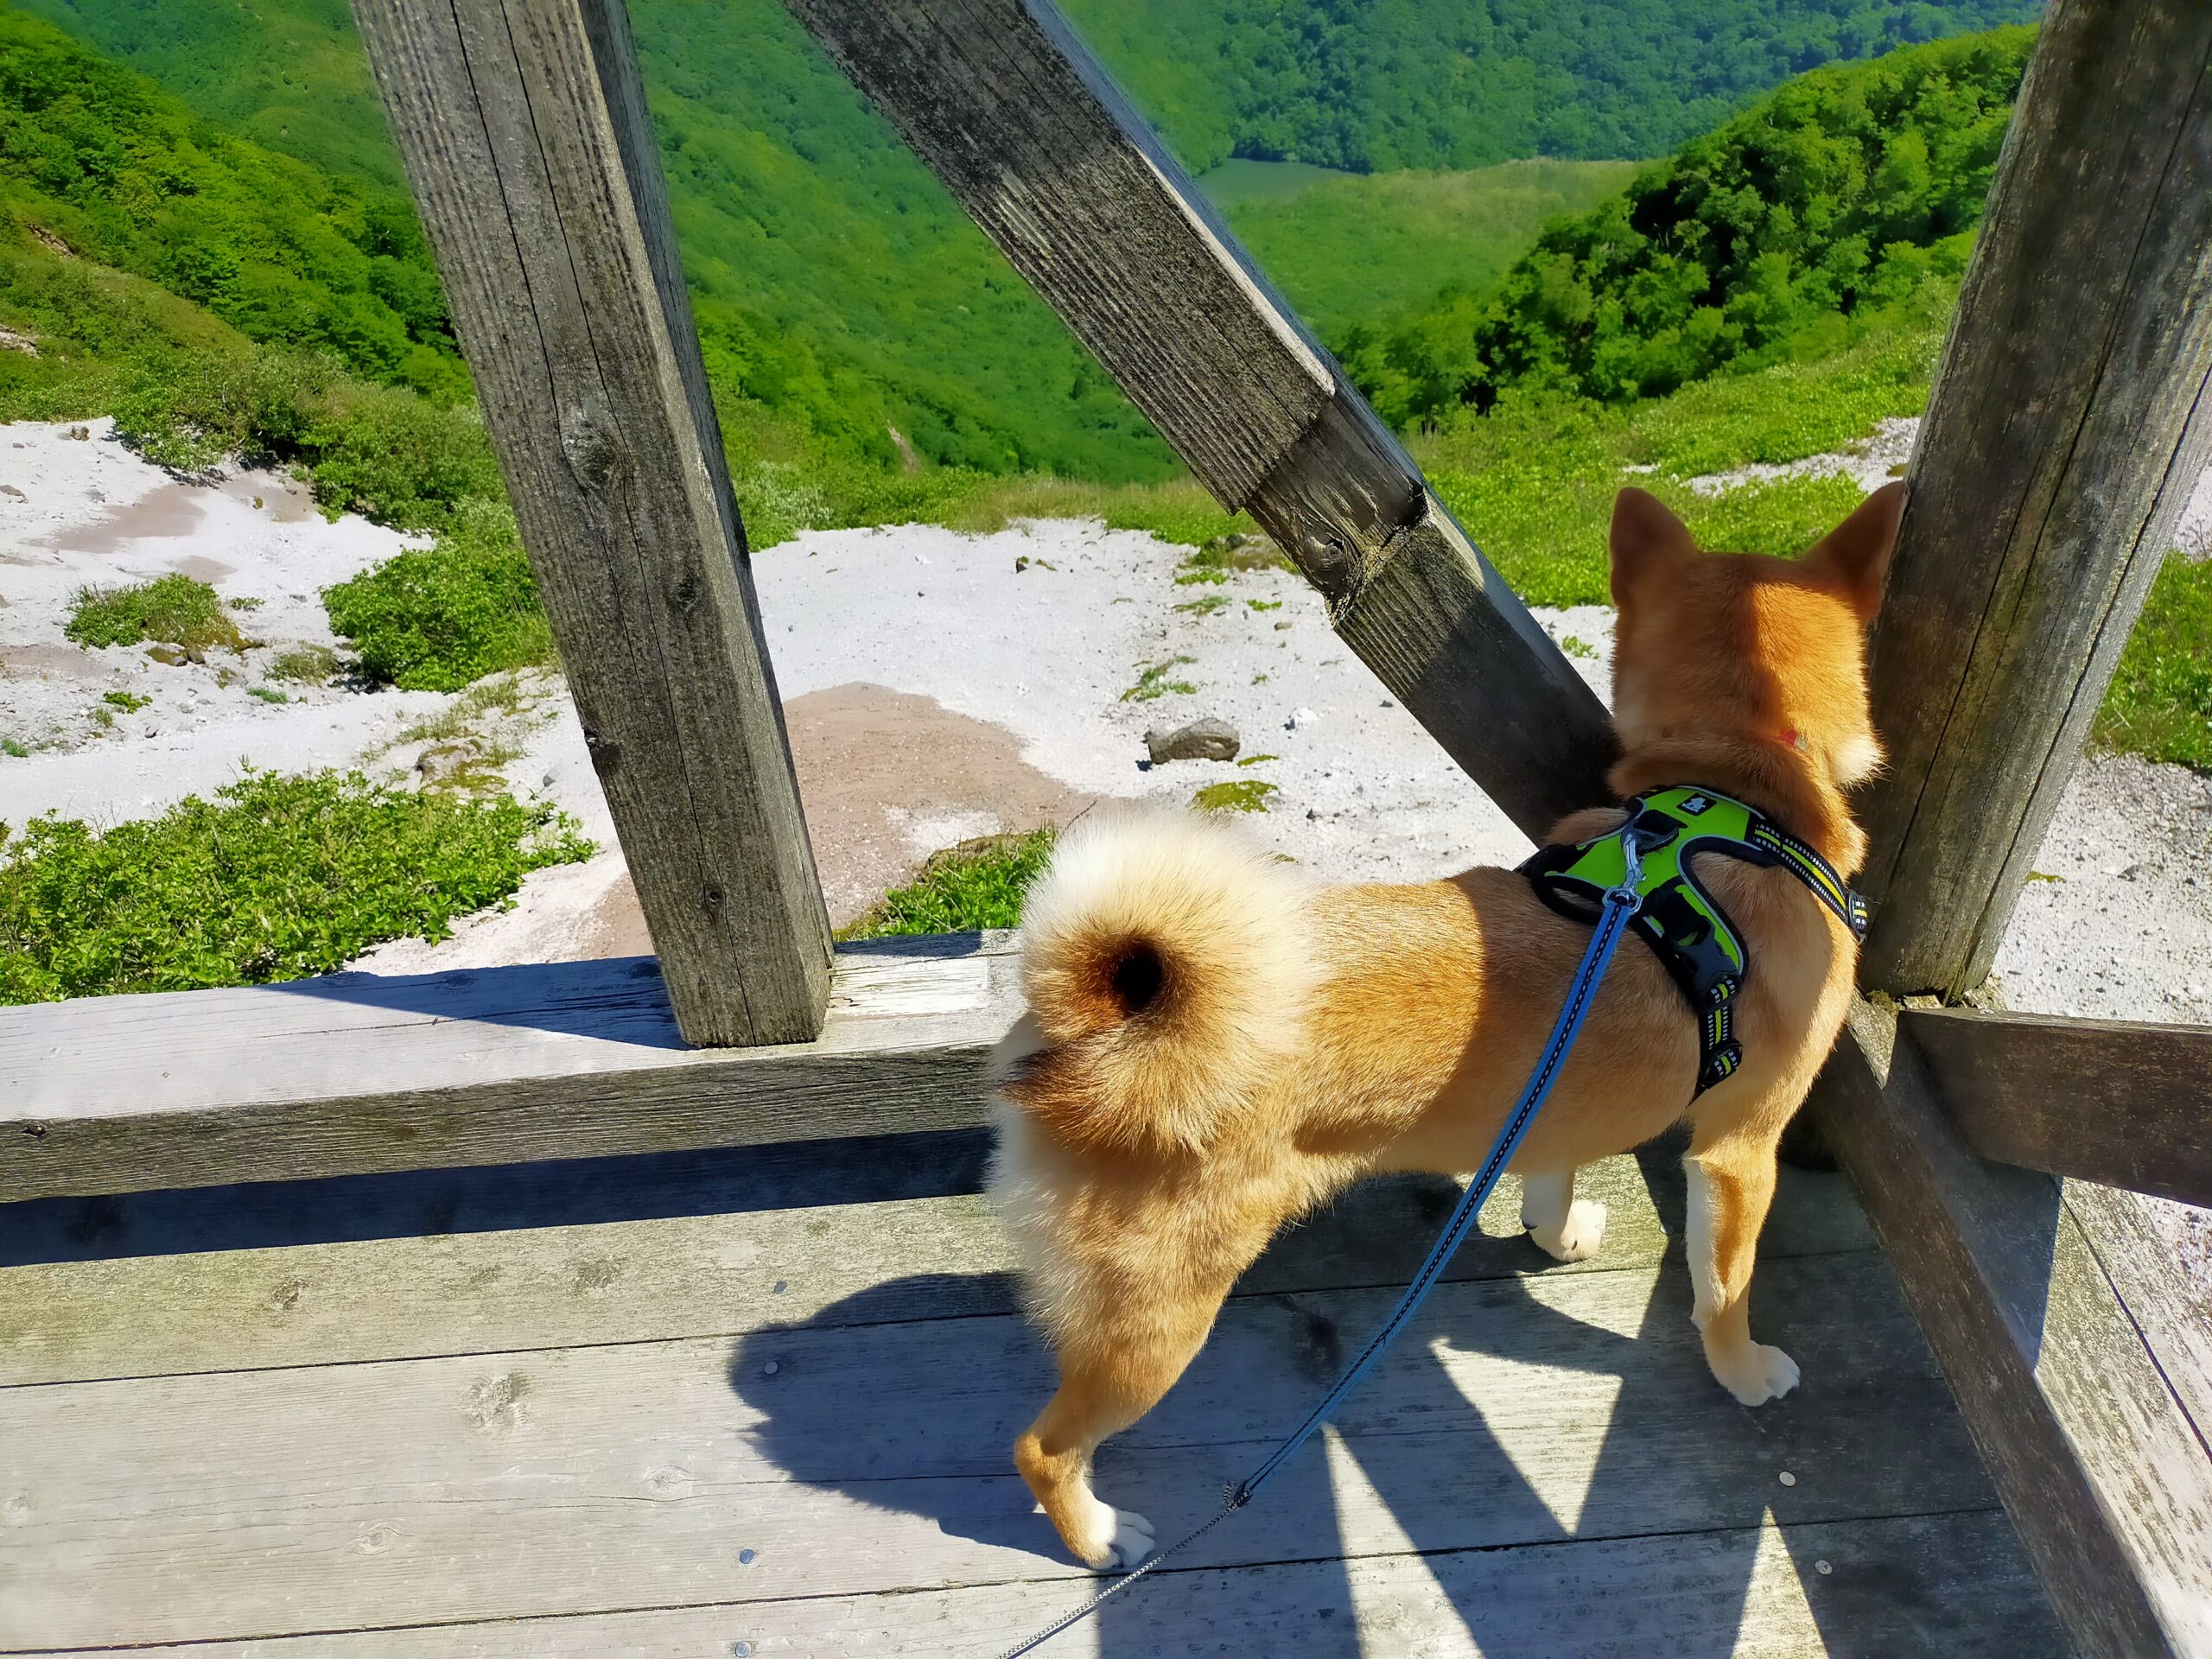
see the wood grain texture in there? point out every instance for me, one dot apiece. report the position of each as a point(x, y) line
point(2116, 1100)
point(1944, 1586)
point(662, 1276)
point(2064, 434)
point(524, 129)
point(1007, 106)
point(356, 1073)
point(2099, 1463)
point(864, 1458)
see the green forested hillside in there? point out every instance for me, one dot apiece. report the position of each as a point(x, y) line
point(1371, 85)
point(1839, 195)
point(1354, 248)
point(842, 293)
point(97, 164)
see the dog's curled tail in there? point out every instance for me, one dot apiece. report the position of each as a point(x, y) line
point(1167, 963)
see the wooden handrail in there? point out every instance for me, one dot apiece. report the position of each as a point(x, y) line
point(2115, 1101)
point(2064, 1385)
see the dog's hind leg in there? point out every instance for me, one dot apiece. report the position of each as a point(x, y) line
point(1564, 1227)
point(1109, 1378)
point(1731, 1183)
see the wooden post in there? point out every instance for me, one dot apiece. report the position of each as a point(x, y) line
point(2062, 440)
point(1029, 133)
point(523, 128)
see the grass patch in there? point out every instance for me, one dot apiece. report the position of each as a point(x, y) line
point(1575, 645)
point(1237, 795)
point(1254, 760)
point(172, 610)
point(1265, 604)
point(1204, 605)
point(1219, 556)
point(1534, 481)
point(2160, 702)
point(14, 746)
point(267, 694)
point(304, 664)
point(1153, 680)
point(130, 702)
point(979, 883)
point(436, 618)
point(276, 877)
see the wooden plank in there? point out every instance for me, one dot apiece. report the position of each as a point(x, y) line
point(523, 128)
point(356, 1073)
point(2115, 1101)
point(2135, 1245)
point(1008, 106)
point(866, 1458)
point(1942, 1586)
point(666, 1276)
point(2098, 1462)
point(2065, 432)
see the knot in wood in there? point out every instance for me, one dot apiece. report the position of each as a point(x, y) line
point(606, 753)
point(592, 445)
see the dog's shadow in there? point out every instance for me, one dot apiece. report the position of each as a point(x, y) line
point(1520, 1409)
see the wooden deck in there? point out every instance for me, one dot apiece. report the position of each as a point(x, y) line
point(645, 1405)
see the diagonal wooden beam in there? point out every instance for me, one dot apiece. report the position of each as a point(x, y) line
point(1008, 106)
point(522, 125)
point(2068, 423)
point(2113, 1101)
point(2063, 1366)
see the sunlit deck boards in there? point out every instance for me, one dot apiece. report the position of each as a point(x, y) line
point(561, 1439)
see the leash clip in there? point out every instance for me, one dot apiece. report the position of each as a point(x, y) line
point(1636, 841)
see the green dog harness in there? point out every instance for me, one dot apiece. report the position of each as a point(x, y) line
point(1679, 919)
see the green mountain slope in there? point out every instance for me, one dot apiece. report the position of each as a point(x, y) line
point(1353, 248)
point(839, 289)
point(96, 163)
point(1373, 85)
point(289, 74)
point(1838, 196)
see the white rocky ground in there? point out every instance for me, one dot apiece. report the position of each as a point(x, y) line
point(936, 691)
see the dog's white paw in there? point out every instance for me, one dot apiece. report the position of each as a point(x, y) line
point(1756, 1374)
point(1113, 1540)
point(1577, 1238)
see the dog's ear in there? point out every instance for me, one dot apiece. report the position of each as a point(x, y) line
point(1855, 555)
point(1647, 538)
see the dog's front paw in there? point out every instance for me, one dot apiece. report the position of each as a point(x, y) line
point(1756, 1374)
point(1577, 1238)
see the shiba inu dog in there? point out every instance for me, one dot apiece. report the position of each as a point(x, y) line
point(1215, 1044)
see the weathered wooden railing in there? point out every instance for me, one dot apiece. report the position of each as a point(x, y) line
point(2067, 406)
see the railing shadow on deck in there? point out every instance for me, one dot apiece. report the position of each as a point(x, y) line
point(493, 1197)
point(614, 998)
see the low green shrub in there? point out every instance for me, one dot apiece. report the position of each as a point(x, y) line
point(2160, 703)
point(304, 664)
point(276, 877)
point(435, 619)
point(174, 610)
point(979, 883)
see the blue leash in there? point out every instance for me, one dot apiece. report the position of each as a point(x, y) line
point(1620, 905)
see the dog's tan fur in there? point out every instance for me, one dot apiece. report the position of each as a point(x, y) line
point(1214, 1044)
